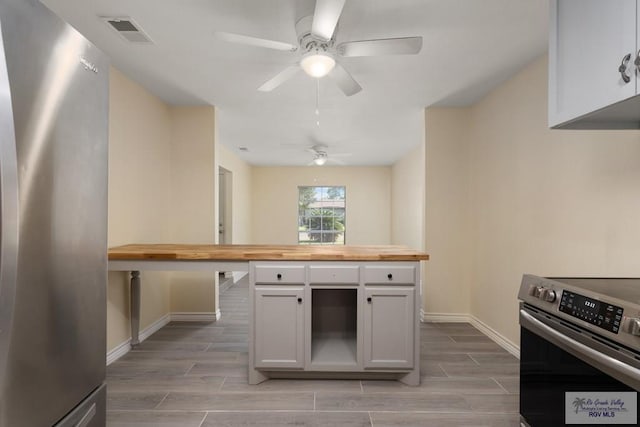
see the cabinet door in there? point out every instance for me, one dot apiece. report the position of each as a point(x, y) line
point(588, 40)
point(279, 327)
point(389, 324)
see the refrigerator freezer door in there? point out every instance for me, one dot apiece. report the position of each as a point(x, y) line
point(8, 215)
point(90, 413)
point(59, 92)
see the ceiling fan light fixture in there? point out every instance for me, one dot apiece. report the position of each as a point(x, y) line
point(317, 64)
point(320, 159)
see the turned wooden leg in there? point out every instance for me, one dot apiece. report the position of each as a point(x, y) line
point(135, 308)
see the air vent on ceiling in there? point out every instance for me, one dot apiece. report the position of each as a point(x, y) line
point(127, 28)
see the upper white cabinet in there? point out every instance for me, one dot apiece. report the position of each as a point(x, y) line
point(594, 64)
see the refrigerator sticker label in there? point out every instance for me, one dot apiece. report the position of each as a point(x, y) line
point(606, 407)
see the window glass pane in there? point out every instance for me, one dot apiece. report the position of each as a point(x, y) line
point(321, 215)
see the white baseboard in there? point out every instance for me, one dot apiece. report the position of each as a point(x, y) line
point(477, 323)
point(154, 327)
point(444, 317)
point(501, 340)
point(119, 351)
point(125, 346)
point(206, 316)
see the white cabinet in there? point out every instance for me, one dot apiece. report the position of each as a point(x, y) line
point(593, 47)
point(385, 274)
point(334, 320)
point(279, 327)
point(389, 323)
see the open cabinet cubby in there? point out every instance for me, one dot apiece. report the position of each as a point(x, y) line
point(334, 314)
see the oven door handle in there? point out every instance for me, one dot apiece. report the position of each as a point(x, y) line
point(617, 369)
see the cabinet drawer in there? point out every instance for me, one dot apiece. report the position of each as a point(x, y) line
point(334, 274)
point(390, 275)
point(279, 274)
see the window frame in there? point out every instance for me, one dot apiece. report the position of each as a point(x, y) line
point(339, 214)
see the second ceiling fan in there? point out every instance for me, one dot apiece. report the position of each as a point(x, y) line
point(316, 42)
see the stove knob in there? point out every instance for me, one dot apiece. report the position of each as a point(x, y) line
point(633, 326)
point(535, 290)
point(548, 295)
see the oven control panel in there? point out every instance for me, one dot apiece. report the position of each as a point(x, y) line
point(598, 313)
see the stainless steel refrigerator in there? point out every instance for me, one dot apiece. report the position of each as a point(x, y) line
point(53, 221)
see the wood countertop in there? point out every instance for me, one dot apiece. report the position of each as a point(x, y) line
point(164, 252)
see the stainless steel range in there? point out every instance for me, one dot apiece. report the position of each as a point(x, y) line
point(580, 348)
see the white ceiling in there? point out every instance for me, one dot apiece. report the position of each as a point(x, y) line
point(469, 47)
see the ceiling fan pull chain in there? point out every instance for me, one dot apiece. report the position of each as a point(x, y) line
point(318, 102)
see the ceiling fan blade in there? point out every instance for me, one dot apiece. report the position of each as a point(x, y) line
point(344, 80)
point(255, 41)
point(325, 18)
point(280, 78)
point(397, 46)
point(336, 161)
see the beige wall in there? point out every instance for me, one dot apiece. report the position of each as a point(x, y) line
point(547, 202)
point(192, 211)
point(161, 189)
point(241, 194)
point(447, 212)
point(407, 199)
point(139, 156)
point(275, 202)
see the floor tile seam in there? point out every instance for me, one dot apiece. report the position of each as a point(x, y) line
point(438, 412)
point(407, 394)
point(186, 373)
point(319, 411)
point(274, 411)
point(501, 386)
point(464, 377)
point(323, 411)
point(162, 400)
point(251, 393)
point(470, 411)
point(204, 417)
point(197, 411)
point(498, 392)
point(471, 357)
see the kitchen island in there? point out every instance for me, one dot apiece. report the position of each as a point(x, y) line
point(315, 311)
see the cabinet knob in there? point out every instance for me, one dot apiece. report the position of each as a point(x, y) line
point(299, 300)
point(368, 299)
point(637, 61)
point(389, 276)
point(279, 276)
point(622, 69)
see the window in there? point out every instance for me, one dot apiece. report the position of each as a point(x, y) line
point(321, 215)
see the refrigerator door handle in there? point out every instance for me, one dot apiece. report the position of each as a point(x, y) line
point(86, 419)
point(8, 213)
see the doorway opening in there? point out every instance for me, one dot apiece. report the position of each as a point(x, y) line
point(225, 181)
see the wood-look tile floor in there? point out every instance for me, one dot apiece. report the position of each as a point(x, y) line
point(195, 375)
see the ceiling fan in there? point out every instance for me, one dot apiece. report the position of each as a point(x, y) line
point(316, 42)
point(321, 156)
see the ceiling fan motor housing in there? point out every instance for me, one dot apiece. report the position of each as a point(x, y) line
point(309, 43)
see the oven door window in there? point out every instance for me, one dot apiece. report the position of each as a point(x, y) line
point(546, 373)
